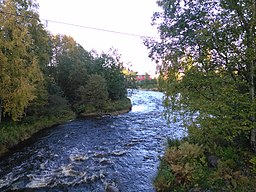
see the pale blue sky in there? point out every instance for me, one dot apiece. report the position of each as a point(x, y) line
point(129, 16)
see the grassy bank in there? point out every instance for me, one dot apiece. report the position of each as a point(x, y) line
point(119, 105)
point(190, 167)
point(12, 133)
point(111, 108)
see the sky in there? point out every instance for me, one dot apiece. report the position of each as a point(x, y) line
point(127, 16)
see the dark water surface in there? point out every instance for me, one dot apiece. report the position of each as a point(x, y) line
point(91, 155)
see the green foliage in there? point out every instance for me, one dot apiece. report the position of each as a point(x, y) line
point(165, 178)
point(12, 133)
point(110, 67)
point(229, 177)
point(208, 68)
point(212, 108)
point(43, 77)
point(20, 71)
point(173, 142)
point(55, 105)
point(35, 107)
point(185, 167)
point(207, 53)
point(73, 67)
point(253, 162)
point(69, 62)
point(42, 46)
point(118, 105)
point(150, 84)
point(115, 83)
point(95, 93)
point(185, 162)
point(130, 78)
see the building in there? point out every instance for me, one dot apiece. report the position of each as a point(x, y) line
point(143, 77)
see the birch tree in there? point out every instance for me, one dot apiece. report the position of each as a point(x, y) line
point(19, 70)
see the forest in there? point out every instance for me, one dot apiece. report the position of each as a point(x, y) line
point(207, 57)
point(46, 79)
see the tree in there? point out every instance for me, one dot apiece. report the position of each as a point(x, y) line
point(94, 93)
point(211, 46)
point(69, 63)
point(42, 48)
point(109, 66)
point(19, 69)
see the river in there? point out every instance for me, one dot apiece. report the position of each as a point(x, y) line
point(118, 153)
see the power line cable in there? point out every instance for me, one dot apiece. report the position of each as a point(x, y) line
point(98, 29)
point(85, 27)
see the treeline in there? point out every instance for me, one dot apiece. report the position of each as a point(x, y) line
point(148, 83)
point(207, 55)
point(42, 74)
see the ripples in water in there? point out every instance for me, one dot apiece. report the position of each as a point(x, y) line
point(118, 153)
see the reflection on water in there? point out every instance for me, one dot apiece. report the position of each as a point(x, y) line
point(118, 153)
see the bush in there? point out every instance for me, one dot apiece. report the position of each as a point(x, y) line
point(165, 178)
point(184, 161)
point(183, 167)
point(118, 105)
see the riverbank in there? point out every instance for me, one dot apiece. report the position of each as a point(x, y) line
point(149, 89)
point(112, 108)
point(190, 167)
point(13, 133)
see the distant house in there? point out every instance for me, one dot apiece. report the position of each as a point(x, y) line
point(143, 77)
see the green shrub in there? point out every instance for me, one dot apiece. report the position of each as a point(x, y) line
point(184, 161)
point(165, 178)
point(118, 105)
point(183, 166)
point(253, 164)
point(173, 142)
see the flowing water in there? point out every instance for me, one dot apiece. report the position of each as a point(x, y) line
point(118, 153)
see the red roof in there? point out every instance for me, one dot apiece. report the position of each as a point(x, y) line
point(142, 77)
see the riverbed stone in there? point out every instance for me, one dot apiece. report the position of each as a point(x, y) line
point(111, 188)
